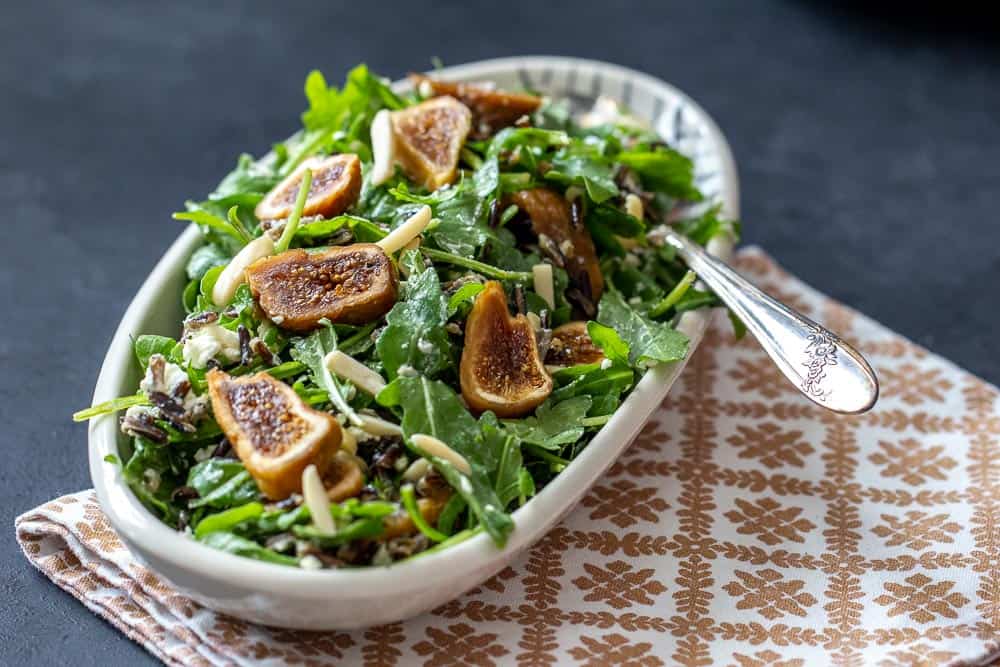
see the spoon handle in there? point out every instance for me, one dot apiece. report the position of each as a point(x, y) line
point(827, 370)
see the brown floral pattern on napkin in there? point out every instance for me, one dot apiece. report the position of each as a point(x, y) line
point(744, 527)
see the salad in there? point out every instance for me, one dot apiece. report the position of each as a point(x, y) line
point(407, 319)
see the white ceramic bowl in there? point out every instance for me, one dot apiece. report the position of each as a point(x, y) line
point(341, 599)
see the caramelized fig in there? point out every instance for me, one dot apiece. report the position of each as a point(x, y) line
point(352, 284)
point(428, 138)
point(343, 479)
point(272, 430)
point(571, 345)
point(567, 244)
point(336, 184)
point(492, 110)
point(501, 369)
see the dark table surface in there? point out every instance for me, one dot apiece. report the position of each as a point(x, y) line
point(868, 148)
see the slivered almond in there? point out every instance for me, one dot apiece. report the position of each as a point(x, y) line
point(406, 232)
point(314, 495)
point(234, 274)
point(383, 147)
point(542, 274)
point(349, 368)
point(379, 426)
point(434, 447)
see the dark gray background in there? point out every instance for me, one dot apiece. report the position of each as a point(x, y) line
point(868, 149)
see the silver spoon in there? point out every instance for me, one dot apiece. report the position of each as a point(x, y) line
point(827, 370)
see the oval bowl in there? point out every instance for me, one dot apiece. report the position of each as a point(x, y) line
point(342, 599)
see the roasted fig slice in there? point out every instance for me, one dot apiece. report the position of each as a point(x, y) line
point(352, 284)
point(272, 430)
point(343, 479)
point(492, 110)
point(501, 369)
point(336, 184)
point(571, 345)
point(566, 242)
point(428, 138)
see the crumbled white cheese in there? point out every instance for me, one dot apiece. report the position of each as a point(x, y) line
point(173, 375)
point(634, 301)
point(424, 345)
point(211, 342)
point(407, 371)
point(204, 453)
point(605, 364)
point(425, 89)
point(631, 259)
point(234, 274)
point(607, 111)
point(434, 447)
point(310, 562)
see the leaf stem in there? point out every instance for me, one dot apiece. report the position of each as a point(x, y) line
point(557, 462)
point(480, 267)
point(410, 503)
point(108, 407)
point(667, 302)
point(292, 224)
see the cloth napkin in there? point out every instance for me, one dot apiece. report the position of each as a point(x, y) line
point(744, 526)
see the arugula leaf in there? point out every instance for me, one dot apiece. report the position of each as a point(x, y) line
point(146, 345)
point(204, 258)
point(554, 424)
point(245, 185)
point(579, 164)
point(241, 546)
point(221, 483)
point(647, 341)
point(609, 341)
point(363, 94)
point(228, 520)
point(431, 407)
point(312, 351)
point(507, 480)
point(464, 296)
point(664, 170)
point(604, 386)
point(707, 226)
point(415, 334)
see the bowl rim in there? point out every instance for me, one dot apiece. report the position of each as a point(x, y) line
point(146, 533)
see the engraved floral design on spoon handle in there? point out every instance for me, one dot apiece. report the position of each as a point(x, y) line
point(820, 364)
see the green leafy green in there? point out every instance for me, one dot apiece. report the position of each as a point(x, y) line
point(241, 546)
point(221, 483)
point(647, 341)
point(553, 424)
point(663, 170)
point(432, 408)
point(415, 335)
